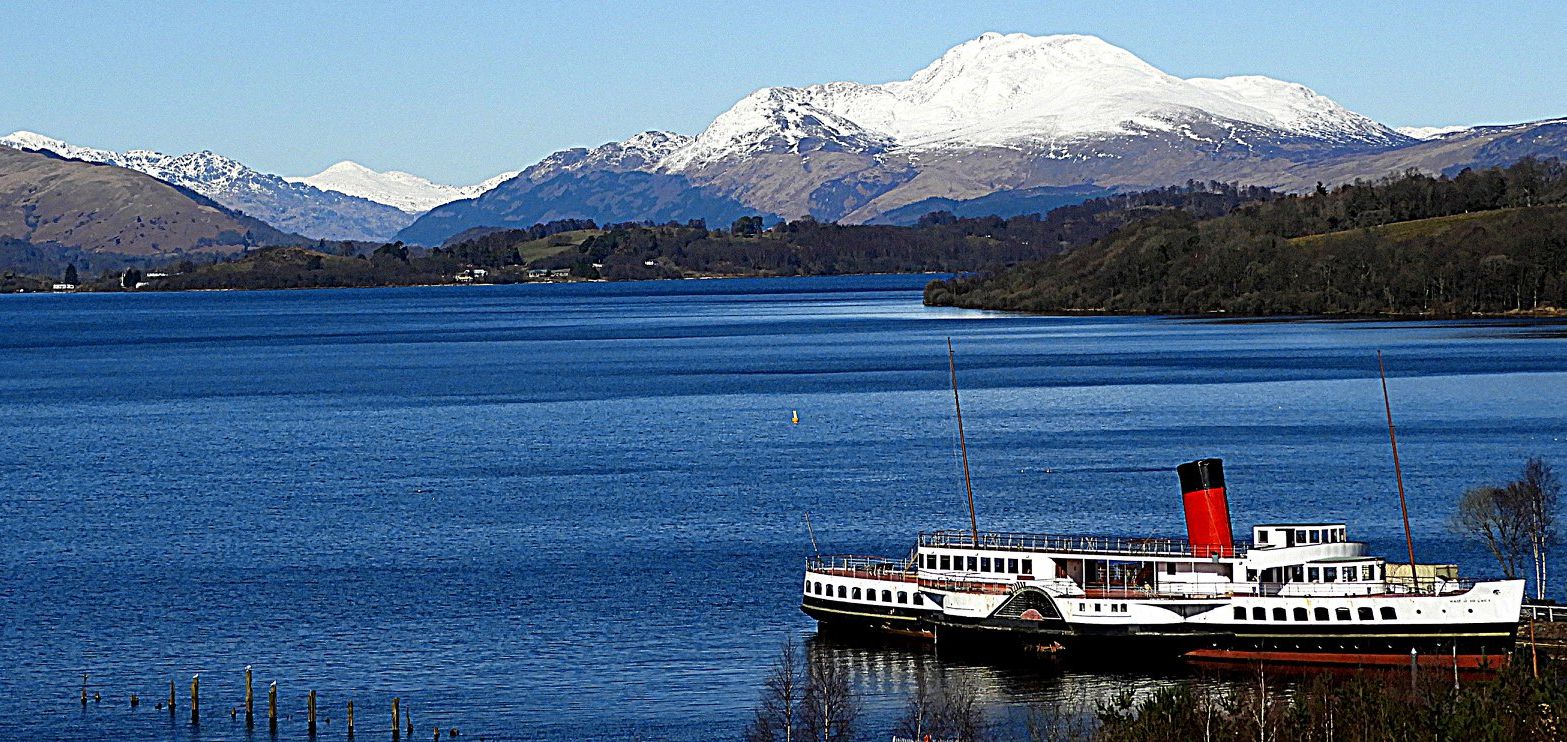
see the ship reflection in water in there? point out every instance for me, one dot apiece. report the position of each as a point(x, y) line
point(887, 673)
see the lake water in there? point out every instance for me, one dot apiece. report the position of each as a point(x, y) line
point(576, 511)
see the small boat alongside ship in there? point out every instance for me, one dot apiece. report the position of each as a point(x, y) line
point(1293, 593)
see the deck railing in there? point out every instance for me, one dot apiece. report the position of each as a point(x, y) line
point(1429, 585)
point(1127, 545)
point(870, 567)
point(1543, 613)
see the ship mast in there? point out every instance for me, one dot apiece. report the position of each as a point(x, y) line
point(968, 485)
point(1398, 473)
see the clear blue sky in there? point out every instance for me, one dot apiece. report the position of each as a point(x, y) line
point(461, 91)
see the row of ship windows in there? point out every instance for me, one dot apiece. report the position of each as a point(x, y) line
point(1303, 536)
point(1319, 614)
point(978, 564)
point(1351, 573)
point(854, 594)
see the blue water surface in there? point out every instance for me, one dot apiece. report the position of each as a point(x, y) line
point(576, 511)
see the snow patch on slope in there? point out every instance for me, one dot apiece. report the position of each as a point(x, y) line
point(29, 140)
point(1430, 132)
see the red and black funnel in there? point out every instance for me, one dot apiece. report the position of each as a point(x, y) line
point(1207, 510)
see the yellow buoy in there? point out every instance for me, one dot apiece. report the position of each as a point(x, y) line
point(796, 418)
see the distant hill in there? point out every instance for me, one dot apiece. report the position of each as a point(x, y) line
point(405, 191)
point(1490, 242)
point(604, 196)
point(52, 205)
point(297, 207)
point(1039, 200)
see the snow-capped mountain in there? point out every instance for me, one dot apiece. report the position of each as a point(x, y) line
point(29, 140)
point(395, 188)
point(999, 113)
point(293, 207)
point(642, 152)
point(1018, 90)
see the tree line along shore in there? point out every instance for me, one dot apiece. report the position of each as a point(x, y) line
point(1490, 242)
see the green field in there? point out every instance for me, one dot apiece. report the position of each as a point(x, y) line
point(555, 244)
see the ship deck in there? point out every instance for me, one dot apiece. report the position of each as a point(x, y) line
point(863, 567)
point(1131, 547)
point(1456, 587)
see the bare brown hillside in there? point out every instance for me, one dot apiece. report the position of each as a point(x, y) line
point(46, 200)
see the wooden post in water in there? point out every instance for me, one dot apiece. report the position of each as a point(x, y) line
point(272, 707)
point(397, 718)
point(171, 698)
point(408, 716)
point(250, 719)
point(350, 719)
point(84, 690)
point(195, 699)
point(310, 713)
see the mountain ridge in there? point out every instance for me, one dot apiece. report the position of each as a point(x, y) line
point(49, 200)
point(1001, 121)
point(292, 207)
point(1012, 113)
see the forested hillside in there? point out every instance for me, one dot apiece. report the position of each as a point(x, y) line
point(576, 248)
point(1490, 241)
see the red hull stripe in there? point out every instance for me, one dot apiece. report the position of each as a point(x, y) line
point(1464, 661)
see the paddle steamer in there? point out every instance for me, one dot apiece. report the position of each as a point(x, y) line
point(1294, 593)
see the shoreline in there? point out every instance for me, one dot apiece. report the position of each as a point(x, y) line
point(1217, 316)
point(695, 277)
point(1213, 316)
